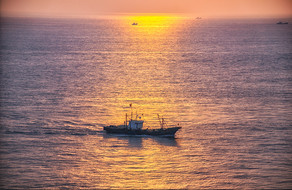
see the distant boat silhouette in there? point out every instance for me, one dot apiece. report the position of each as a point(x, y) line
point(282, 22)
point(134, 23)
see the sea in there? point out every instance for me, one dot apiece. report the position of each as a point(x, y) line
point(226, 82)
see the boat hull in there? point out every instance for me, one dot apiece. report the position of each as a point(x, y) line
point(167, 132)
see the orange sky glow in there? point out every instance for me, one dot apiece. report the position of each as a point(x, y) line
point(204, 8)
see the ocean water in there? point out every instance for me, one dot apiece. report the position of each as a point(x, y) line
point(226, 82)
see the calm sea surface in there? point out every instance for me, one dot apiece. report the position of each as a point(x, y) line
point(228, 84)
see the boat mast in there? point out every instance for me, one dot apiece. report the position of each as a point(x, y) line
point(126, 120)
point(131, 112)
point(160, 121)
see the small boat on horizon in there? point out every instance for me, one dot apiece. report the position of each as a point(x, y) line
point(282, 22)
point(135, 127)
point(134, 23)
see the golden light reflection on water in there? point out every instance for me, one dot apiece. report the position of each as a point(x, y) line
point(141, 164)
point(143, 75)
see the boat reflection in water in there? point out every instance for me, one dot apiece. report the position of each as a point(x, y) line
point(140, 141)
point(135, 127)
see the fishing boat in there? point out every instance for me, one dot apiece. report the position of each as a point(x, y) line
point(134, 23)
point(135, 127)
point(282, 22)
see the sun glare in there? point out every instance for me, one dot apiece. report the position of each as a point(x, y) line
point(151, 25)
point(153, 21)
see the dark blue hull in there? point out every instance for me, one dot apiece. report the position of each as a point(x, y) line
point(167, 132)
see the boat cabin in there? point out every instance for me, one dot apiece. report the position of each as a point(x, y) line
point(135, 124)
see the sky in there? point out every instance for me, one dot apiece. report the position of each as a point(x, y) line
point(202, 8)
